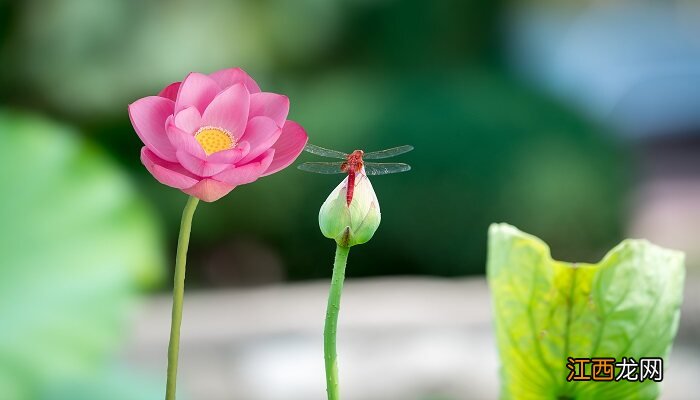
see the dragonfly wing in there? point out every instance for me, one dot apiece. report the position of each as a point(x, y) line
point(323, 152)
point(322, 167)
point(385, 168)
point(394, 151)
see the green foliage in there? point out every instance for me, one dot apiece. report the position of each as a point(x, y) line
point(75, 243)
point(627, 305)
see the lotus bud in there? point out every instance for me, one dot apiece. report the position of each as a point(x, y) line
point(354, 223)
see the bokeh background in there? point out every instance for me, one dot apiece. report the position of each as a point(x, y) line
point(577, 121)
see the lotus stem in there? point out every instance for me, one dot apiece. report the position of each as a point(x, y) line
point(178, 295)
point(331, 327)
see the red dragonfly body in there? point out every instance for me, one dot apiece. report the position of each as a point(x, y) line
point(354, 163)
point(352, 166)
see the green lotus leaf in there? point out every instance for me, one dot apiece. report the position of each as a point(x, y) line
point(75, 245)
point(627, 305)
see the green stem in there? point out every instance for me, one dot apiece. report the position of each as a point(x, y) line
point(329, 332)
point(178, 295)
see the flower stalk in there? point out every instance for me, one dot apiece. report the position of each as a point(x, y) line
point(331, 326)
point(178, 295)
point(349, 225)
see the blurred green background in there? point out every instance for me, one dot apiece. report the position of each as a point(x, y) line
point(493, 142)
point(363, 75)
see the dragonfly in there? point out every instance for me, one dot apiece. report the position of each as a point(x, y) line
point(354, 163)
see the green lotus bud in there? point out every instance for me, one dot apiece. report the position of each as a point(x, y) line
point(353, 219)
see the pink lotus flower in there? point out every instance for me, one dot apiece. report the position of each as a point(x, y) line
point(210, 133)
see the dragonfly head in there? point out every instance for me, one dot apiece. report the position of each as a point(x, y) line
point(354, 161)
point(356, 155)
